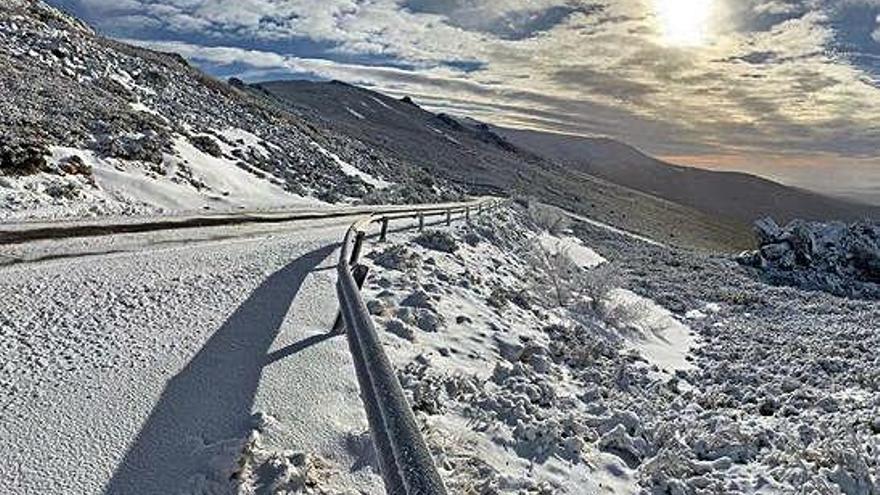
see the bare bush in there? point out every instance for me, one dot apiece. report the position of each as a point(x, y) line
point(554, 275)
point(548, 218)
point(597, 282)
point(437, 240)
point(557, 280)
point(627, 315)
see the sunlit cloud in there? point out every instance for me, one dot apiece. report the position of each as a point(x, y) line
point(685, 22)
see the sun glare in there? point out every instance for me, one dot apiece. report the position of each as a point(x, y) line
point(684, 22)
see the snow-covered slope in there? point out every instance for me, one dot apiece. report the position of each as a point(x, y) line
point(488, 358)
point(475, 155)
point(688, 377)
point(91, 126)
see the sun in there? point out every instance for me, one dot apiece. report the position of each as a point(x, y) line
point(684, 22)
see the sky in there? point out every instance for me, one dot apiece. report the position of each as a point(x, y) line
point(788, 89)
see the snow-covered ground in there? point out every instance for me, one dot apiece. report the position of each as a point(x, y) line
point(689, 377)
point(351, 170)
point(783, 395)
point(140, 371)
point(487, 362)
point(579, 362)
point(188, 180)
point(615, 230)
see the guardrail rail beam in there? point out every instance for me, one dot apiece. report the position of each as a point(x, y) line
point(405, 462)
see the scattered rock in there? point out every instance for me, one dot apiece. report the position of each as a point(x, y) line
point(768, 231)
point(62, 190)
point(74, 165)
point(768, 407)
point(775, 252)
point(397, 258)
point(437, 240)
point(420, 299)
point(400, 329)
point(429, 321)
point(149, 147)
point(509, 349)
point(377, 307)
point(498, 298)
point(207, 144)
point(22, 158)
point(618, 442)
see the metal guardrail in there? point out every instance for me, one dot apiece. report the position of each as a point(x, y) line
point(404, 459)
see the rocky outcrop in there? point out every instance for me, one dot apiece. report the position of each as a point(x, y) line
point(834, 257)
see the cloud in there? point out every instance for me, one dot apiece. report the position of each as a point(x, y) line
point(506, 19)
point(776, 7)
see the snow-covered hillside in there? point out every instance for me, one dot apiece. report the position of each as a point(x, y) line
point(662, 371)
point(488, 355)
point(90, 126)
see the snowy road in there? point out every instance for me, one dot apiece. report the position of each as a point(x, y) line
point(119, 367)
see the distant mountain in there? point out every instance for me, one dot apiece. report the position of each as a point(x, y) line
point(600, 177)
point(737, 195)
point(482, 159)
point(470, 155)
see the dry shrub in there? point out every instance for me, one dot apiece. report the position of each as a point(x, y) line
point(549, 218)
point(626, 315)
point(597, 282)
point(553, 278)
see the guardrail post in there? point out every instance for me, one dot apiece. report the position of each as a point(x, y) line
point(356, 249)
point(421, 222)
point(448, 218)
point(467, 214)
point(359, 272)
point(383, 235)
point(480, 209)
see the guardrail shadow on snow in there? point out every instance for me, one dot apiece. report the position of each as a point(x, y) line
point(214, 394)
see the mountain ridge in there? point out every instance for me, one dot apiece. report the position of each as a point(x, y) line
point(503, 158)
point(475, 156)
point(738, 194)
